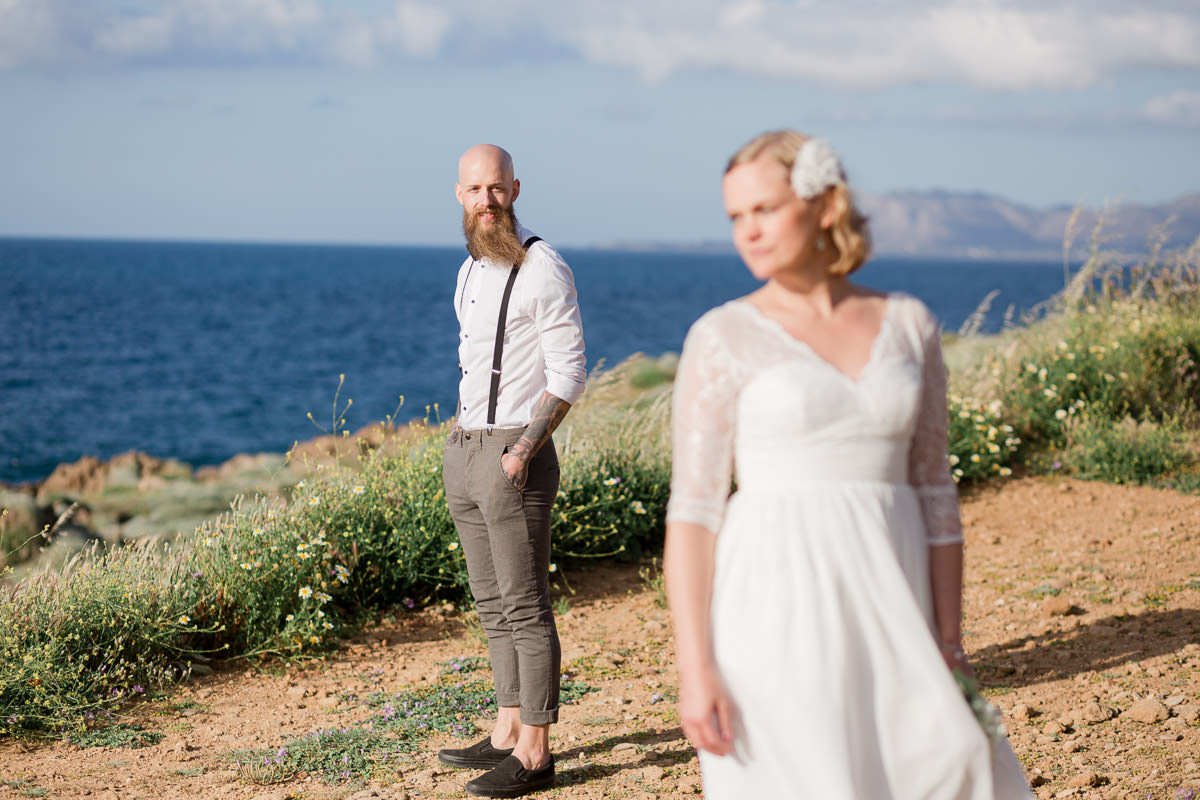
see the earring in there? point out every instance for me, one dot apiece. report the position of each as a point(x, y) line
point(820, 244)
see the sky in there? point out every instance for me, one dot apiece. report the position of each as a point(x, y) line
point(341, 121)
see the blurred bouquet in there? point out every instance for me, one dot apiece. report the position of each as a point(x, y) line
point(990, 718)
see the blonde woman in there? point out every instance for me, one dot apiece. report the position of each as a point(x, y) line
point(817, 608)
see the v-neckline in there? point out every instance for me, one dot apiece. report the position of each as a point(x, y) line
point(856, 380)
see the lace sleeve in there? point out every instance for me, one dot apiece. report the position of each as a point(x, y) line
point(928, 466)
point(702, 424)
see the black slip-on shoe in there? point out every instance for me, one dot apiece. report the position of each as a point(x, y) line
point(480, 755)
point(511, 779)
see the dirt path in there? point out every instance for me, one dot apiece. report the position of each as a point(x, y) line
point(1082, 616)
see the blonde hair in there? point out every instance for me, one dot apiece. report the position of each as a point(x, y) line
point(849, 233)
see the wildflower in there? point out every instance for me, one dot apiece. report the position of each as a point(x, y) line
point(328, 625)
point(1071, 376)
point(257, 532)
point(358, 489)
point(289, 618)
point(306, 592)
point(324, 598)
point(637, 507)
point(612, 481)
point(953, 459)
point(1060, 414)
point(408, 602)
point(974, 458)
point(245, 565)
point(452, 546)
point(1005, 471)
point(1049, 392)
point(209, 541)
point(554, 567)
point(185, 619)
point(138, 689)
point(314, 639)
point(314, 500)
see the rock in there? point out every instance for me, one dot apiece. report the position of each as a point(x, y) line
point(297, 691)
point(1171, 702)
point(1093, 713)
point(1056, 606)
point(1053, 728)
point(1147, 710)
point(1187, 713)
point(1084, 780)
point(625, 747)
point(653, 774)
point(1022, 713)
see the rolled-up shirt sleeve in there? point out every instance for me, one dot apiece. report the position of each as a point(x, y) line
point(560, 327)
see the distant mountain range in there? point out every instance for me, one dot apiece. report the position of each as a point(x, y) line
point(958, 225)
point(974, 225)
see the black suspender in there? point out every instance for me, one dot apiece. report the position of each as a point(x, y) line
point(498, 350)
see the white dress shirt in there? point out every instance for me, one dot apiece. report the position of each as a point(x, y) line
point(543, 340)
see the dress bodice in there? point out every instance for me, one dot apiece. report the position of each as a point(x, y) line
point(752, 399)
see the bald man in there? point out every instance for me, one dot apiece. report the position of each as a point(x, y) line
point(522, 365)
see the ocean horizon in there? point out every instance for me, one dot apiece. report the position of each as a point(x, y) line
point(199, 351)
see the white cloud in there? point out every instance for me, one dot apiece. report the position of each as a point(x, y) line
point(1181, 109)
point(863, 44)
point(873, 44)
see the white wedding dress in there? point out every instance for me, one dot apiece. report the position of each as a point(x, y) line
point(822, 612)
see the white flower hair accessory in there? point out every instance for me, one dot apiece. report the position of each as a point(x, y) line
point(816, 169)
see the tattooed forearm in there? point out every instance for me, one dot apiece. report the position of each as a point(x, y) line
point(549, 414)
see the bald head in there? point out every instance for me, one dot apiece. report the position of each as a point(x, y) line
point(486, 156)
point(485, 180)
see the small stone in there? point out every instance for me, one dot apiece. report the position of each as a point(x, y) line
point(1093, 713)
point(1170, 737)
point(1084, 780)
point(1187, 713)
point(1056, 606)
point(1171, 702)
point(1072, 746)
point(1021, 713)
point(653, 774)
point(1053, 728)
point(297, 691)
point(1147, 710)
point(1154, 672)
point(625, 747)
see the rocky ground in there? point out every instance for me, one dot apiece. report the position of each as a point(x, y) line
point(1082, 618)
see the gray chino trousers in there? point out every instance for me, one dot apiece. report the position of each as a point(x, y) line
point(505, 537)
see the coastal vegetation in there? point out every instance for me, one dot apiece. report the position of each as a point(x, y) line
point(1103, 383)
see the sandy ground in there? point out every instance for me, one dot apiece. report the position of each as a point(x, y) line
point(1082, 609)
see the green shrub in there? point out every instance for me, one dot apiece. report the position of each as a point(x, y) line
point(285, 576)
point(1123, 453)
point(981, 444)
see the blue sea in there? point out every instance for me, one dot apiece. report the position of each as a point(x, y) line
point(202, 351)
